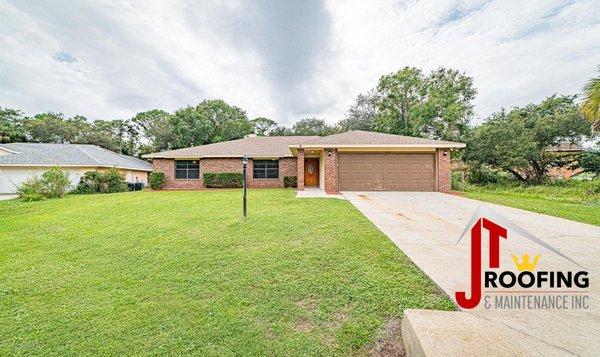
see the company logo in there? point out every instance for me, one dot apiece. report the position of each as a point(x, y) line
point(525, 288)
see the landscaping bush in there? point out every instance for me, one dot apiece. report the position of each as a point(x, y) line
point(290, 181)
point(101, 182)
point(53, 184)
point(223, 180)
point(31, 189)
point(56, 183)
point(156, 180)
point(89, 183)
point(112, 181)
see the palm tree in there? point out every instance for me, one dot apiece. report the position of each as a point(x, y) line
point(591, 102)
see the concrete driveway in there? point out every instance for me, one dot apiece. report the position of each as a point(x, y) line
point(426, 226)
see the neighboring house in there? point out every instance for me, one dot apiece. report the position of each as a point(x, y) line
point(20, 161)
point(567, 171)
point(350, 161)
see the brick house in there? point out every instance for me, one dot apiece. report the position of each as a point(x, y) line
point(351, 161)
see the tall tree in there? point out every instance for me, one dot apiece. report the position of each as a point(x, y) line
point(400, 94)
point(447, 107)
point(53, 128)
point(155, 129)
point(590, 107)
point(263, 126)
point(209, 122)
point(11, 126)
point(362, 114)
point(517, 141)
point(312, 126)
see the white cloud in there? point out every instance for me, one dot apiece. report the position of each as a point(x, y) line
point(284, 60)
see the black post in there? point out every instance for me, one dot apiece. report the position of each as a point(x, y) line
point(245, 162)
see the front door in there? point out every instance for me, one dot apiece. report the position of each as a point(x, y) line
point(311, 172)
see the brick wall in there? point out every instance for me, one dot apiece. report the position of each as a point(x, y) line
point(168, 167)
point(300, 169)
point(287, 167)
point(444, 170)
point(330, 161)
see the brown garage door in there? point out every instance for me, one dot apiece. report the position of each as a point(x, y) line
point(386, 172)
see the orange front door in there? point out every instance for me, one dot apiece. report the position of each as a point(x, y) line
point(311, 172)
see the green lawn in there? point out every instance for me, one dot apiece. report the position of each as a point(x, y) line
point(183, 272)
point(578, 201)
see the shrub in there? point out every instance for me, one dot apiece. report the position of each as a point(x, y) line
point(223, 180)
point(156, 180)
point(54, 183)
point(31, 189)
point(290, 181)
point(89, 183)
point(457, 181)
point(112, 181)
point(101, 182)
point(481, 175)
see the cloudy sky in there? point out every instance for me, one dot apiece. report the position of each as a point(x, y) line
point(283, 59)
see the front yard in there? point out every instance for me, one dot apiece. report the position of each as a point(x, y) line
point(183, 272)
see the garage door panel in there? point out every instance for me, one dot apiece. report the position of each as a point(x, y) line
point(386, 172)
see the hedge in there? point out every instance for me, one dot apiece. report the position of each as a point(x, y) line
point(156, 180)
point(223, 180)
point(290, 181)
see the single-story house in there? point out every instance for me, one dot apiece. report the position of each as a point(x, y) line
point(351, 161)
point(20, 161)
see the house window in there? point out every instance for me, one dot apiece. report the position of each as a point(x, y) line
point(265, 169)
point(187, 169)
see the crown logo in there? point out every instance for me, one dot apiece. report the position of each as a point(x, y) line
point(525, 264)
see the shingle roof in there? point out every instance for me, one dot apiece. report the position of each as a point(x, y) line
point(68, 154)
point(258, 146)
point(360, 137)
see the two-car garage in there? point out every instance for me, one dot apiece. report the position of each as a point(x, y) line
point(386, 171)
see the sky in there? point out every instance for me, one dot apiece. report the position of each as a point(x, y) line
point(285, 60)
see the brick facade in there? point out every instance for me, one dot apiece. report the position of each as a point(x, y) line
point(444, 170)
point(300, 167)
point(330, 162)
point(287, 167)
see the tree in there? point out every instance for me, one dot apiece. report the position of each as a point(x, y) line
point(312, 126)
point(281, 131)
point(407, 102)
point(400, 93)
point(363, 114)
point(517, 141)
point(53, 128)
point(447, 109)
point(229, 122)
point(11, 126)
point(155, 129)
point(263, 126)
point(591, 101)
point(209, 122)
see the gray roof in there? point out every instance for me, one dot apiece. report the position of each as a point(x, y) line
point(68, 155)
point(256, 146)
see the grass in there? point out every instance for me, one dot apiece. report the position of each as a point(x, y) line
point(574, 200)
point(184, 273)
